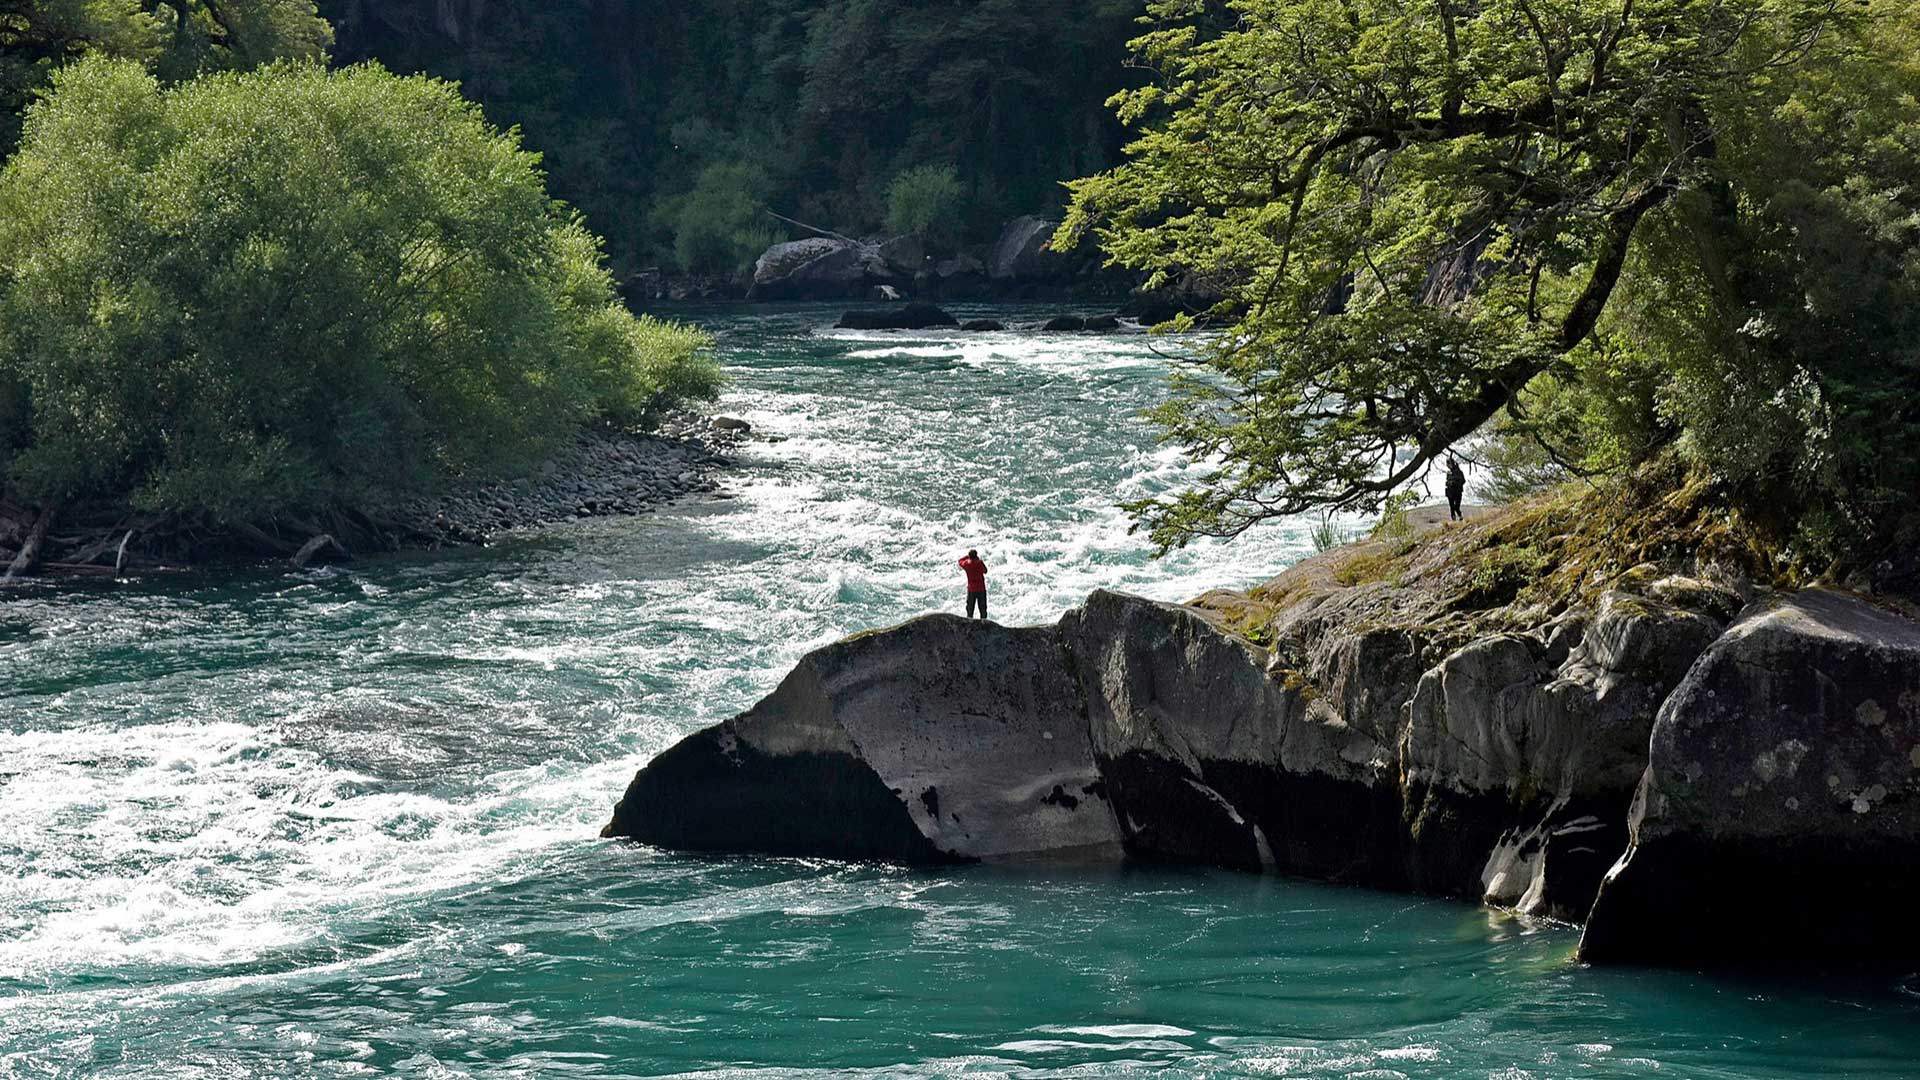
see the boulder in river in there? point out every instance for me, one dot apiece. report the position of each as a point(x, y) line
point(869, 750)
point(905, 255)
point(983, 325)
point(818, 268)
point(1779, 818)
point(913, 316)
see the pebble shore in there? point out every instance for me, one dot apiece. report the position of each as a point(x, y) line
point(602, 474)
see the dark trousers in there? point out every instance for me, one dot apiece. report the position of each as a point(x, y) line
point(977, 599)
point(1453, 505)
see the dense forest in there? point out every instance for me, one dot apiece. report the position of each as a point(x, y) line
point(671, 126)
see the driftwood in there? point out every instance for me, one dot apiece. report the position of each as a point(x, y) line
point(265, 540)
point(828, 233)
point(120, 557)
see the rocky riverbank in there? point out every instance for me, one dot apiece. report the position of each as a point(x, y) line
point(1604, 713)
point(600, 473)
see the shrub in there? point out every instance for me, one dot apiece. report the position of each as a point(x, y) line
point(297, 288)
point(924, 201)
point(718, 227)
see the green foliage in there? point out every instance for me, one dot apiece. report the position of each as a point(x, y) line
point(297, 288)
point(1328, 535)
point(1499, 572)
point(720, 226)
point(1621, 226)
point(926, 201)
point(1395, 528)
point(175, 39)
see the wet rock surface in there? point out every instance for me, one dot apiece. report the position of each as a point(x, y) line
point(1781, 803)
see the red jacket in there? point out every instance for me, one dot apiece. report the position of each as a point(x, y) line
point(976, 574)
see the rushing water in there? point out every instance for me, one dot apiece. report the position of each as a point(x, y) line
point(343, 823)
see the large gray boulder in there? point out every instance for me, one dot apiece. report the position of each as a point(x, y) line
point(1345, 753)
point(1021, 252)
point(1778, 822)
point(937, 740)
point(818, 268)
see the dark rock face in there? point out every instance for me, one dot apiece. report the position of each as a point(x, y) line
point(983, 325)
point(1021, 252)
point(1779, 816)
point(905, 256)
point(914, 316)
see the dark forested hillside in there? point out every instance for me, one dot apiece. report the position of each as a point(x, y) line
point(672, 125)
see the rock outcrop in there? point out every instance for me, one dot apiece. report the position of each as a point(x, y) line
point(1022, 253)
point(1779, 818)
point(1392, 714)
point(939, 740)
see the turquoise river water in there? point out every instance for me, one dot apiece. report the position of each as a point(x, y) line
point(343, 823)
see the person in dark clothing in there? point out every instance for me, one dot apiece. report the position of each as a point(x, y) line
point(976, 584)
point(1456, 487)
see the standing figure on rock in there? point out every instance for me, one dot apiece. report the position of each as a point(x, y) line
point(1456, 487)
point(976, 584)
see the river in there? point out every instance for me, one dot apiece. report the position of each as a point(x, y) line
point(343, 823)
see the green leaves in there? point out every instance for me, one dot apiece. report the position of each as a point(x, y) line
point(1414, 208)
point(298, 288)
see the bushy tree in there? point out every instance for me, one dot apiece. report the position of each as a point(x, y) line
point(1622, 223)
point(720, 226)
point(925, 200)
point(296, 288)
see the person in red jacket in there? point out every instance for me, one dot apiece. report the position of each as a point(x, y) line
point(976, 583)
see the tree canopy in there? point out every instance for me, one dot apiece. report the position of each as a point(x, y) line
point(1613, 226)
point(296, 288)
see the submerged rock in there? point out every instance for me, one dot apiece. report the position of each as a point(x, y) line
point(1779, 818)
point(914, 316)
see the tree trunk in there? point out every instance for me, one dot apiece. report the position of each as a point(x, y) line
point(28, 560)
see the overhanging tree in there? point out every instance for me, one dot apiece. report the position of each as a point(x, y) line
point(1416, 208)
